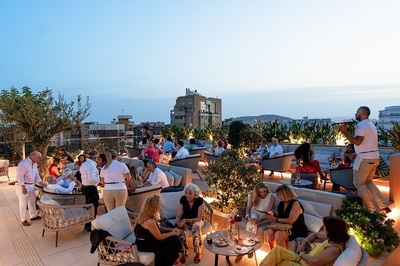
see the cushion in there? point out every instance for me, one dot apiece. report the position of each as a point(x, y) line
point(170, 178)
point(323, 156)
point(314, 223)
point(131, 238)
point(170, 203)
point(45, 199)
point(318, 209)
point(352, 253)
point(177, 177)
point(116, 222)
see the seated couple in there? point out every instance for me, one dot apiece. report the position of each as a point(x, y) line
point(167, 242)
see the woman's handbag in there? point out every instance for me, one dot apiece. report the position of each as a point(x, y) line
point(281, 227)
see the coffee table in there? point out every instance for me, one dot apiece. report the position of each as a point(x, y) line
point(229, 250)
point(303, 183)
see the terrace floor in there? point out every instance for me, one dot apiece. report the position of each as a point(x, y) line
point(21, 245)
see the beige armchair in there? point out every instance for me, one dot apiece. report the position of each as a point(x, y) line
point(210, 158)
point(133, 151)
point(137, 199)
point(277, 164)
point(191, 162)
point(199, 150)
point(62, 214)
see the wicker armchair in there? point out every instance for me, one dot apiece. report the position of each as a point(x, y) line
point(56, 216)
point(120, 249)
point(4, 168)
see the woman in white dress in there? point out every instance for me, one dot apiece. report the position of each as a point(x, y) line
point(261, 203)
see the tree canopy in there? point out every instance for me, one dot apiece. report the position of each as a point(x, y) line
point(40, 116)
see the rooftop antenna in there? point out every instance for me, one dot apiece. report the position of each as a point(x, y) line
point(122, 111)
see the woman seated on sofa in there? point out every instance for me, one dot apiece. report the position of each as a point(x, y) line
point(150, 237)
point(262, 203)
point(304, 162)
point(152, 152)
point(349, 155)
point(334, 238)
point(290, 212)
point(54, 168)
point(190, 216)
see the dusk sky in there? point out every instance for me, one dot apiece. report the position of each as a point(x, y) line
point(293, 58)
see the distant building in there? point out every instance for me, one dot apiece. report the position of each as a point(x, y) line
point(389, 115)
point(195, 110)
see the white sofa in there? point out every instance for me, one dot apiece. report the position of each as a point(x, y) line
point(318, 204)
point(120, 247)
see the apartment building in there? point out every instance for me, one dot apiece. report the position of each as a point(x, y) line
point(389, 115)
point(195, 110)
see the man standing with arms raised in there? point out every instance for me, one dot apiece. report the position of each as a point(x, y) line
point(27, 176)
point(90, 180)
point(365, 140)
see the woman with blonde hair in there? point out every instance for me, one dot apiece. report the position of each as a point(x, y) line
point(150, 237)
point(291, 212)
point(261, 203)
point(112, 178)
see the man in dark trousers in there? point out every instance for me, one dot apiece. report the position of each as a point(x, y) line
point(90, 180)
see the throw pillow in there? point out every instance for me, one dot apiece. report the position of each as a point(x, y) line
point(177, 178)
point(314, 223)
point(170, 178)
point(318, 209)
point(116, 222)
point(45, 199)
point(351, 255)
point(170, 203)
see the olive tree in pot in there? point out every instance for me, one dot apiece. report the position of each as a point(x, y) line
point(230, 180)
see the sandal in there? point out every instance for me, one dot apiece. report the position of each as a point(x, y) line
point(197, 258)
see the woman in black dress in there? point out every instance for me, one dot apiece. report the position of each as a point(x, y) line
point(150, 237)
point(290, 211)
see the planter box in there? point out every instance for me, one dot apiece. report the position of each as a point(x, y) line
point(220, 218)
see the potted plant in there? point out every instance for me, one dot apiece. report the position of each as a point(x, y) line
point(373, 230)
point(230, 180)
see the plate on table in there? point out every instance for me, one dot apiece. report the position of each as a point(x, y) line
point(242, 250)
point(249, 242)
point(221, 243)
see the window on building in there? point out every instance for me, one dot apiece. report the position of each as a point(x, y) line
point(183, 102)
point(190, 102)
point(202, 106)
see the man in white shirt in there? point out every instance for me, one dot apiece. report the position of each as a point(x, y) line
point(52, 180)
point(366, 146)
point(182, 151)
point(90, 180)
point(27, 176)
point(274, 151)
point(157, 176)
